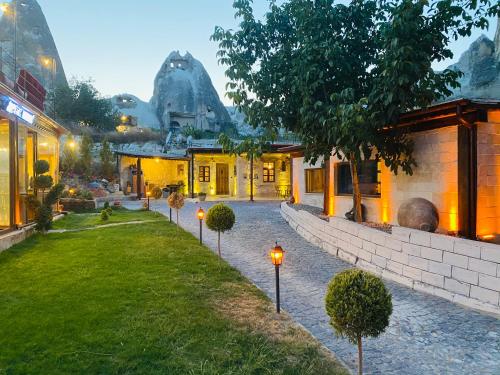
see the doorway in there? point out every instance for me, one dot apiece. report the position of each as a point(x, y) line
point(222, 179)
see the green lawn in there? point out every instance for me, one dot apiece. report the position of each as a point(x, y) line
point(140, 299)
point(74, 221)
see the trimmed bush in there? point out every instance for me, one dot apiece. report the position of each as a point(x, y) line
point(54, 194)
point(41, 167)
point(176, 200)
point(220, 218)
point(104, 215)
point(359, 305)
point(78, 205)
point(156, 192)
point(106, 205)
point(43, 218)
point(109, 210)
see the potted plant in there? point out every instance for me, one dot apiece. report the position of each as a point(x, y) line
point(202, 196)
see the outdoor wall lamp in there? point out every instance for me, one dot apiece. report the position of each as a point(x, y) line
point(201, 215)
point(277, 254)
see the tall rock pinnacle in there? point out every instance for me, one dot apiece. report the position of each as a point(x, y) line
point(35, 43)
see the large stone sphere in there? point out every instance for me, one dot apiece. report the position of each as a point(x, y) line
point(418, 213)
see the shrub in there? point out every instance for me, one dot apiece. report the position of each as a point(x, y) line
point(359, 305)
point(106, 205)
point(43, 218)
point(109, 210)
point(176, 200)
point(156, 192)
point(220, 218)
point(41, 167)
point(54, 194)
point(104, 215)
point(78, 205)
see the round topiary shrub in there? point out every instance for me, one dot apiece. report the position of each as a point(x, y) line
point(104, 215)
point(359, 305)
point(106, 205)
point(156, 192)
point(43, 218)
point(176, 201)
point(220, 218)
point(109, 210)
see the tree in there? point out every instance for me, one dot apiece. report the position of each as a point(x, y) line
point(43, 181)
point(359, 305)
point(69, 155)
point(81, 103)
point(86, 155)
point(339, 76)
point(176, 201)
point(220, 218)
point(252, 147)
point(106, 160)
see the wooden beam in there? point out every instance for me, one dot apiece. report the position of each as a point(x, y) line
point(139, 179)
point(326, 188)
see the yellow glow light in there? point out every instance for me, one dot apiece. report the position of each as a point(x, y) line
point(453, 220)
point(277, 254)
point(4, 7)
point(71, 144)
point(200, 214)
point(157, 160)
point(487, 237)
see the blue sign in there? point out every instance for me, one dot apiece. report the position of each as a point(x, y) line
point(11, 106)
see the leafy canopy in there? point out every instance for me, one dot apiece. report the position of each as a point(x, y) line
point(220, 218)
point(339, 76)
point(358, 304)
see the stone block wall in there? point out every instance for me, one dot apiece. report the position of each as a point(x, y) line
point(463, 271)
point(488, 176)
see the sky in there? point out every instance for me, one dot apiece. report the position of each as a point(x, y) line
point(121, 44)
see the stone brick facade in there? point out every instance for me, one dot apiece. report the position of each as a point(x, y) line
point(463, 271)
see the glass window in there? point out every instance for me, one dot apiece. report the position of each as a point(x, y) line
point(22, 136)
point(368, 174)
point(47, 150)
point(315, 179)
point(4, 174)
point(204, 174)
point(268, 172)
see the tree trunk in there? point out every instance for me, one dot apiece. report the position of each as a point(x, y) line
point(177, 213)
point(360, 356)
point(326, 188)
point(251, 178)
point(356, 193)
point(218, 244)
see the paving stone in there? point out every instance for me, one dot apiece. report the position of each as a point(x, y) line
point(426, 335)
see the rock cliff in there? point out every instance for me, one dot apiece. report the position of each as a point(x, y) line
point(182, 86)
point(480, 66)
point(35, 43)
point(131, 105)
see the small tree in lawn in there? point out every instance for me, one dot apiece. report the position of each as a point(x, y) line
point(220, 218)
point(176, 201)
point(106, 156)
point(69, 156)
point(359, 305)
point(86, 155)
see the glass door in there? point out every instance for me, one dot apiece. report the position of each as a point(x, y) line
point(4, 174)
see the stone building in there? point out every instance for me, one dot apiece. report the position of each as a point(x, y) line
point(457, 149)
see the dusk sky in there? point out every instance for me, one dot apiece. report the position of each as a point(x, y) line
point(121, 44)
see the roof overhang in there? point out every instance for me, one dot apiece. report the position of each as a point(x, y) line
point(146, 155)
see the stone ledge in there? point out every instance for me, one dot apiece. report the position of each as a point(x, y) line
point(462, 271)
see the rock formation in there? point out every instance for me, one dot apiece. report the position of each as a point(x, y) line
point(131, 105)
point(35, 43)
point(184, 94)
point(480, 66)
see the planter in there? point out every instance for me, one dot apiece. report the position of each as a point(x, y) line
point(202, 197)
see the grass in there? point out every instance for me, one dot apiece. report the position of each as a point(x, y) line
point(140, 299)
point(120, 215)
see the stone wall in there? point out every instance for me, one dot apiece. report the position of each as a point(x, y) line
point(465, 272)
point(488, 174)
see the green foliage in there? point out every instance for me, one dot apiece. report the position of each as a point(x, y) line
point(109, 210)
point(106, 205)
point(32, 202)
point(81, 103)
point(104, 215)
point(106, 155)
point(41, 167)
point(43, 181)
point(43, 218)
point(69, 155)
point(78, 194)
point(358, 304)
point(156, 192)
point(193, 132)
point(85, 161)
point(54, 194)
point(220, 218)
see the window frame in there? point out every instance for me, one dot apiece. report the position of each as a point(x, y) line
point(268, 177)
point(202, 176)
point(307, 187)
point(337, 179)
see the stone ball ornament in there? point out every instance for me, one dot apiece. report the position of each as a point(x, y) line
point(418, 213)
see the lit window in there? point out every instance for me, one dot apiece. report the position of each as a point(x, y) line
point(315, 179)
point(204, 174)
point(368, 175)
point(268, 172)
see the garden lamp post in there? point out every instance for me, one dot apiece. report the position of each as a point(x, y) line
point(148, 194)
point(201, 215)
point(277, 258)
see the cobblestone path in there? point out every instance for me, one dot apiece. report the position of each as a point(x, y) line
point(427, 335)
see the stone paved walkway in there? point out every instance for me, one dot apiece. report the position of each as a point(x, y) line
point(427, 335)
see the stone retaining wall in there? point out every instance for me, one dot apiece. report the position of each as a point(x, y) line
point(463, 271)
